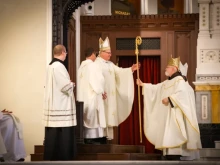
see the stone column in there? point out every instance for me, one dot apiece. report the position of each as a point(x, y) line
point(207, 85)
point(208, 63)
point(191, 6)
point(76, 16)
point(148, 7)
point(204, 27)
point(216, 19)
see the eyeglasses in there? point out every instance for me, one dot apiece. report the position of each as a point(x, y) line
point(65, 52)
point(108, 52)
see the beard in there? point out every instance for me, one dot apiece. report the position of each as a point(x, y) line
point(167, 74)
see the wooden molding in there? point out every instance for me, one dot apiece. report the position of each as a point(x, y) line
point(142, 22)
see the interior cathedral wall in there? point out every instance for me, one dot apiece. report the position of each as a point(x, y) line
point(26, 40)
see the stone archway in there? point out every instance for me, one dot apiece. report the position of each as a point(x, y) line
point(62, 13)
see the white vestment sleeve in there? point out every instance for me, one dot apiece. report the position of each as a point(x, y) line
point(125, 92)
point(96, 79)
point(150, 114)
point(63, 80)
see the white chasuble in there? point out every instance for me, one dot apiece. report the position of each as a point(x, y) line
point(173, 130)
point(119, 86)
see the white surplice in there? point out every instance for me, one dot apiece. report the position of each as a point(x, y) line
point(11, 138)
point(173, 130)
point(118, 84)
point(59, 101)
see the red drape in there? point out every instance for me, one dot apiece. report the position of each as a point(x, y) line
point(129, 130)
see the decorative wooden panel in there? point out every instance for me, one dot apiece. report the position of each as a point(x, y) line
point(129, 43)
point(173, 32)
point(71, 56)
point(90, 40)
point(138, 23)
point(183, 45)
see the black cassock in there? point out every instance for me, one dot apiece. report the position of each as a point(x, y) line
point(60, 143)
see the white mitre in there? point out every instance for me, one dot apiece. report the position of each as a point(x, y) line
point(183, 68)
point(104, 45)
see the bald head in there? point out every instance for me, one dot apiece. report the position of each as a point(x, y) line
point(59, 51)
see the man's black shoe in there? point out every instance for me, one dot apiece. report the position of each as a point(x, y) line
point(21, 160)
point(173, 157)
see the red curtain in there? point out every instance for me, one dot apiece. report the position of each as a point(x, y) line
point(129, 130)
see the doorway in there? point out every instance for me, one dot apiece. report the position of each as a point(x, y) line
point(129, 130)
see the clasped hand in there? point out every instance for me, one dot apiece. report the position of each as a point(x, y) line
point(104, 96)
point(4, 111)
point(165, 101)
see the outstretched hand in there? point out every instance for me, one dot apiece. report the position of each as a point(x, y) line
point(74, 84)
point(139, 82)
point(135, 67)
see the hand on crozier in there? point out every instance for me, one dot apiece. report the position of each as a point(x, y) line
point(135, 67)
point(139, 82)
